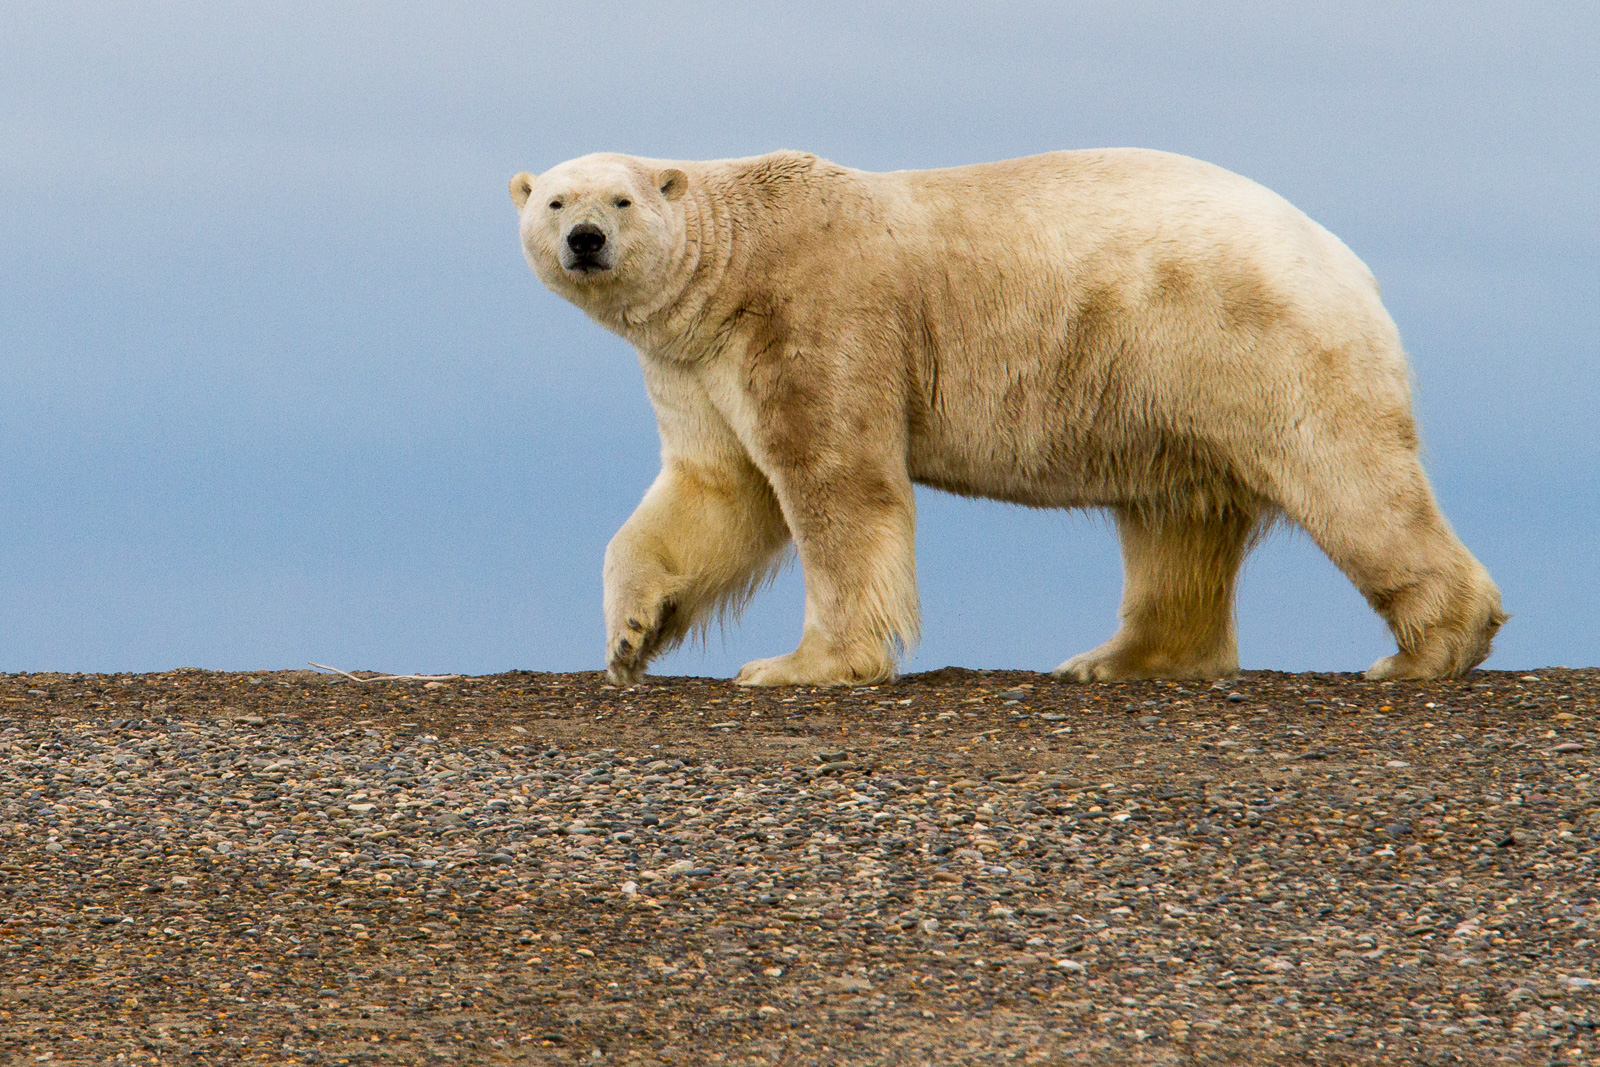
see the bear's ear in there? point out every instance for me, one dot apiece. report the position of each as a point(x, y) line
point(521, 188)
point(672, 183)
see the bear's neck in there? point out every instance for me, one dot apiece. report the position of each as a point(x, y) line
point(684, 321)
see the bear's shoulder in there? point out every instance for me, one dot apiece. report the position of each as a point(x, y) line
point(781, 170)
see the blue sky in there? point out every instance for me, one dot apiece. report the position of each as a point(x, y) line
point(277, 386)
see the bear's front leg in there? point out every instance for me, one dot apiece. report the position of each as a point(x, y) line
point(855, 533)
point(701, 540)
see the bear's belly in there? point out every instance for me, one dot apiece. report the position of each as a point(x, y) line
point(1138, 468)
point(978, 465)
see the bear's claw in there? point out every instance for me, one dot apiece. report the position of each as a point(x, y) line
point(628, 655)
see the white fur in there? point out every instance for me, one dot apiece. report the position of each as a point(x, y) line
point(1121, 329)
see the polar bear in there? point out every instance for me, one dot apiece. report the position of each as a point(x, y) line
point(1121, 329)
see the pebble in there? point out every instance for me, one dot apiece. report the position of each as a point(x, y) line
point(848, 984)
point(1130, 877)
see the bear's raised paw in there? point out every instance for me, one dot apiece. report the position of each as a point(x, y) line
point(636, 639)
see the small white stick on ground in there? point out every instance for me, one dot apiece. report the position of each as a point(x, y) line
point(386, 677)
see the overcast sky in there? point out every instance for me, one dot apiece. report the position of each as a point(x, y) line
point(276, 384)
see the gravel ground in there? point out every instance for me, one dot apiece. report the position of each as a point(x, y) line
point(961, 867)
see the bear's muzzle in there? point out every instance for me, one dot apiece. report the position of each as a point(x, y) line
point(585, 242)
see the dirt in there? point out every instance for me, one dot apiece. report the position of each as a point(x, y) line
point(959, 867)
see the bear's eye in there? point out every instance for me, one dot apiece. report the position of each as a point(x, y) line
point(555, 205)
point(623, 201)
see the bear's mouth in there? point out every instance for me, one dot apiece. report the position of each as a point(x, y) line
point(586, 264)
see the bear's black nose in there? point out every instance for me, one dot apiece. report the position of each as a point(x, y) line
point(586, 239)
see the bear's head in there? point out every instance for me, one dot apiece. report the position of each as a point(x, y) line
point(602, 230)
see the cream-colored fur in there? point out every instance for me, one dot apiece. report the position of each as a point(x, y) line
point(1119, 329)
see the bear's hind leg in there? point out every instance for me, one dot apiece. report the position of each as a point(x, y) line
point(1385, 531)
point(1177, 598)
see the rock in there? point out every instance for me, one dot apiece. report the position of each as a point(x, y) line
point(848, 984)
